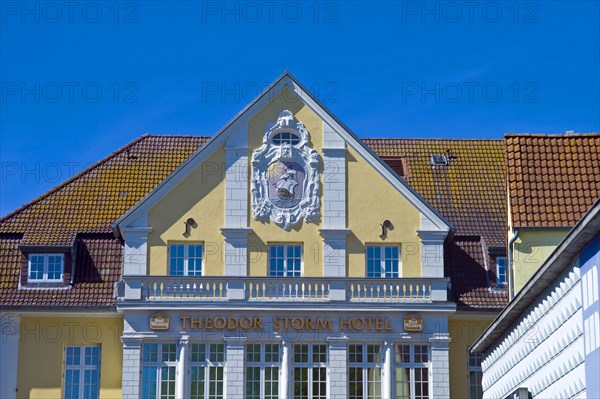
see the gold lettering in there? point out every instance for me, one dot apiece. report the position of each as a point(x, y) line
point(196, 323)
point(277, 323)
point(232, 323)
point(220, 323)
point(258, 323)
point(387, 324)
point(246, 323)
point(370, 323)
point(309, 323)
point(358, 323)
point(344, 324)
point(208, 323)
point(184, 321)
point(378, 324)
point(297, 323)
point(323, 325)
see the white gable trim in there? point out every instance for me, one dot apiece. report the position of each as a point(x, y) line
point(240, 120)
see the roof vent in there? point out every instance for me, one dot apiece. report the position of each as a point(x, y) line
point(438, 160)
point(570, 132)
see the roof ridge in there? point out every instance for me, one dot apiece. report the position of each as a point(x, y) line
point(177, 135)
point(554, 135)
point(73, 178)
point(424, 139)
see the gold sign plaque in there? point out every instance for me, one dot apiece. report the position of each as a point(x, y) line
point(159, 321)
point(413, 323)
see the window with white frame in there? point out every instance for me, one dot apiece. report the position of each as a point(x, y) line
point(501, 271)
point(364, 371)
point(82, 372)
point(310, 371)
point(46, 268)
point(207, 371)
point(412, 371)
point(285, 260)
point(262, 371)
point(383, 261)
point(185, 259)
point(475, 375)
point(158, 370)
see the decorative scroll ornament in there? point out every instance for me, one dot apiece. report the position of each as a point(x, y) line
point(285, 175)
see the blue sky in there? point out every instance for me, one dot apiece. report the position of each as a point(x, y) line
point(81, 79)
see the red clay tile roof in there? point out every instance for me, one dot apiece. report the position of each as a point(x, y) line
point(464, 263)
point(552, 179)
point(99, 259)
point(469, 191)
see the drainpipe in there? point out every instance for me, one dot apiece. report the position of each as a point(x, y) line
point(510, 263)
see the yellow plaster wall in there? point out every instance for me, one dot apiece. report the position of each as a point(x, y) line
point(531, 249)
point(371, 200)
point(200, 196)
point(265, 233)
point(41, 353)
point(463, 332)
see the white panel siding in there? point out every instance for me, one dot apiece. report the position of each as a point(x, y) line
point(542, 351)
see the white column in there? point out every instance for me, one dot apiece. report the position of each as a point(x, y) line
point(440, 373)
point(132, 351)
point(285, 376)
point(234, 367)
point(338, 368)
point(182, 368)
point(387, 372)
point(9, 354)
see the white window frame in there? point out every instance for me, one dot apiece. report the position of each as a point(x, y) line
point(46, 265)
point(263, 364)
point(383, 273)
point(186, 259)
point(310, 365)
point(213, 361)
point(286, 270)
point(501, 279)
point(474, 366)
point(412, 365)
point(365, 365)
point(158, 365)
point(82, 368)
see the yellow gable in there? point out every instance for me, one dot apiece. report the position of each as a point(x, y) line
point(369, 199)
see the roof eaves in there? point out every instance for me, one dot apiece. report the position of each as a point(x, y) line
point(73, 178)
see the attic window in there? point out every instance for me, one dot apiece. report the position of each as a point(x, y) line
point(438, 160)
point(285, 137)
point(398, 164)
point(46, 268)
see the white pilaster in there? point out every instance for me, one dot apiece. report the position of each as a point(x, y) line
point(234, 367)
point(440, 373)
point(236, 251)
point(387, 380)
point(338, 368)
point(236, 180)
point(132, 351)
point(9, 354)
point(285, 376)
point(182, 367)
point(432, 252)
point(135, 256)
point(334, 252)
